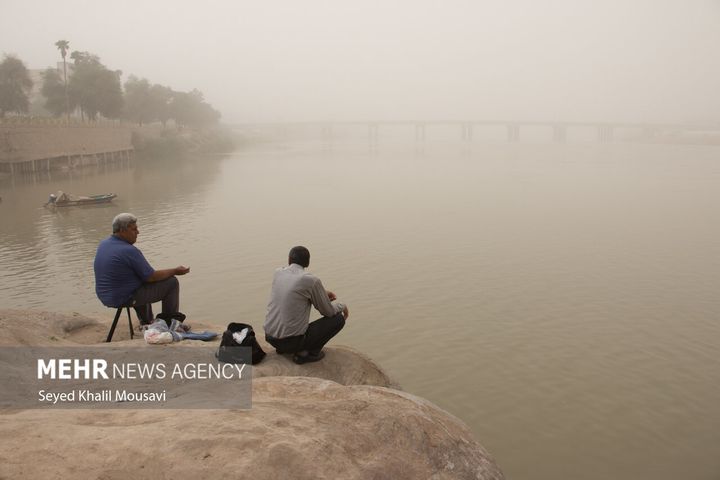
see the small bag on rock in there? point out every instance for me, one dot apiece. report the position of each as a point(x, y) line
point(239, 335)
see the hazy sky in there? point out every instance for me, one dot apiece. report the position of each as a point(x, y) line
point(283, 60)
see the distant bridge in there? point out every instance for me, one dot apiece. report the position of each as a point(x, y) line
point(606, 131)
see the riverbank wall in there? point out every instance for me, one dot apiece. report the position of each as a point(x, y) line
point(39, 145)
point(31, 147)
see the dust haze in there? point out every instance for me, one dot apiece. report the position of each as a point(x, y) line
point(313, 60)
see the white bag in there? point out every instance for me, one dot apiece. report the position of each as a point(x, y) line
point(156, 337)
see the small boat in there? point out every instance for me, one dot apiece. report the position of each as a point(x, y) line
point(66, 200)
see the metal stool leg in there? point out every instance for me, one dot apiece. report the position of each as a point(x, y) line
point(114, 324)
point(132, 335)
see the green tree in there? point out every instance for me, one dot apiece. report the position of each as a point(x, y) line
point(138, 101)
point(94, 88)
point(15, 86)
point(190, 109)
point(84, 58)
point(110, 94)
point(53, 89)
point(160, 99)
point(64, 46)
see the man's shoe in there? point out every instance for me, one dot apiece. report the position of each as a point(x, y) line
point(300, 359)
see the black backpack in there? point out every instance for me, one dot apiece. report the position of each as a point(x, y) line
point(228, 354)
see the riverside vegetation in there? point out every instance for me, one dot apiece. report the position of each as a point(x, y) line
point(89, 90)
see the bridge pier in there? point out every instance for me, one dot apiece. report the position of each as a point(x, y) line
point(650, 133)
point(513, 133)
point(373, 135)
point(605, 133)
point(326, 132)
point(373, 132)
point(466, 131)
point(559, 133)
point(419, 132)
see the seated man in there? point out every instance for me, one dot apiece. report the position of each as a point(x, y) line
point(286, 324)
point(124, 277)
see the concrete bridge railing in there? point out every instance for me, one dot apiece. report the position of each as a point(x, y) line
point(605, 132)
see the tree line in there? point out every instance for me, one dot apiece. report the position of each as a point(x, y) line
point(88, 87)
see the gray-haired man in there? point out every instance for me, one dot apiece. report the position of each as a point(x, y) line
point(124, 277)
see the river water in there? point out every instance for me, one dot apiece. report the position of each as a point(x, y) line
point(562, 300)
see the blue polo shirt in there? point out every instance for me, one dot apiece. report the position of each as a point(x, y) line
point(120, 269)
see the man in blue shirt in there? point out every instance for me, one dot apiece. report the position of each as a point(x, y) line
point(124, 277)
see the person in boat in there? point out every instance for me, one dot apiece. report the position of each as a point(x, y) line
point(287, 326)
point(59, 198)
point(124, 277)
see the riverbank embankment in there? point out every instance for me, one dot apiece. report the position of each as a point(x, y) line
point(26, 148)
point(43, 145)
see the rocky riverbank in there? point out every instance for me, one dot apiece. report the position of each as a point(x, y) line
point(342, 417)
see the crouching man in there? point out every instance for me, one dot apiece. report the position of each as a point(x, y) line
point(287, 326)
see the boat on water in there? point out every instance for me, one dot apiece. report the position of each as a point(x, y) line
point(63, 199)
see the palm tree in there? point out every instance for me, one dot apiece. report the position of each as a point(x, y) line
point(64, 46)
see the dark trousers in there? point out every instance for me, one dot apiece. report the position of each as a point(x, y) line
point(167, 291)
point(316, 336)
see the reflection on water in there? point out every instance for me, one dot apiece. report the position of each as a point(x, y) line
point(560, 299)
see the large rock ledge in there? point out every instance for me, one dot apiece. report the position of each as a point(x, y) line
point(329, 420)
